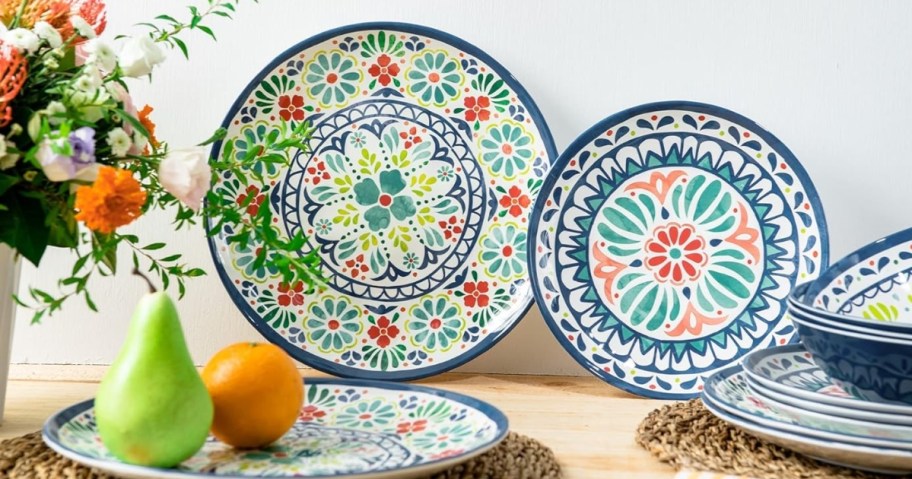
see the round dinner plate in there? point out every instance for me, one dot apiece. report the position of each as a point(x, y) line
point(352, 429)
point(665, 243)
point(415, 191)
point(887, 461)
point(729, 390)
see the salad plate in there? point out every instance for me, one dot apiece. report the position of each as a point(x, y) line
point(729, 390)
point(791, 372)
point(414, 191)
point(880, 460)
point(351, 429)
point(665, 243)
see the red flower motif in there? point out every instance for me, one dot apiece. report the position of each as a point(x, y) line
point(384, 332)
point(475, 294)
point(411, 137)
point(357, 266)
point(477, 108)
point(289, 295)
point(384, 70)
point(516, 200)
point(291, 107)
point(318, 171)
point(675, 253)
point(13, 72)
point(254, 207)
point(409, 427)
point(450, 228)
point(311, 413)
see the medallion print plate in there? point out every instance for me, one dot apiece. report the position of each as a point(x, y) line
point(347, 429)
point(665, 243)
point(791, 371)
point(415, 192)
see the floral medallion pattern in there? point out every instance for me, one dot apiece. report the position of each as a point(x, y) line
point(345, 428)
point(667, 246)
point(415, 191)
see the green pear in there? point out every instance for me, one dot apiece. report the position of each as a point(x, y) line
point(152, 407)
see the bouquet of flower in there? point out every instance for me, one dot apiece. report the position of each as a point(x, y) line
point(78, 159)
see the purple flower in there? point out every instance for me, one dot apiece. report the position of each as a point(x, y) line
point(78, 164)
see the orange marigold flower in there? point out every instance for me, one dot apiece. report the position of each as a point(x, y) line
point(114, 200)
point(13, 72)
point(147, 123)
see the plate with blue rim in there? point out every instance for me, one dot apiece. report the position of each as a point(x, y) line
point(414, 190)
point(665, 243)
point(880, 460)
point(791, 371)
point(353, 429)
point(729, 390)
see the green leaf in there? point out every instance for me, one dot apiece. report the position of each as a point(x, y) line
point(183, 47)
point(154, 246)
point(207, 31)
point(216, 136)
point(22, 227)
point(6, 182)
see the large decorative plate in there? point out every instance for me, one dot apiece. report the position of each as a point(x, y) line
point(347, 429)
point(665, 243)
point(416, 193)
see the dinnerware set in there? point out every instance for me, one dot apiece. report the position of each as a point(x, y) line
point(661, 247)
point(849, 381)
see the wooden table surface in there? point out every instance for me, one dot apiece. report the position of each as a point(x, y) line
point(588, 424)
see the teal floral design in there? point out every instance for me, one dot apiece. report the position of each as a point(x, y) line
point(436, 324)
point(435, 78)
point(507, 150)
point(411, 260)
point(367, 414)
point(244, 260)
point(503, 251)
point(385, 199)
point(254, 141)
point(446, 173)
point(323, 226)
point(445, 437)
point(334, 325)
point(333, 78)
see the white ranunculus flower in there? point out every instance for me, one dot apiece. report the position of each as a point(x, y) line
point(186, 175)
point(48, 33)
point(139, 55)
point(82, 27)
point(101, 54)
point(23, 39)
point(7, 159)
point(119, 141)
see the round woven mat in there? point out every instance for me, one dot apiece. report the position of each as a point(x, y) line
point(686, 435)
point(517, 457)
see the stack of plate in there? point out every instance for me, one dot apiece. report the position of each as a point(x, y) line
point(845, 395)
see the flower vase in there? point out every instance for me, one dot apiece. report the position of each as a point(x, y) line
point(9, 282)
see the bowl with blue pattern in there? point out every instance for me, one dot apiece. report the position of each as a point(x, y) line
point(879, 367)
point(870, 288)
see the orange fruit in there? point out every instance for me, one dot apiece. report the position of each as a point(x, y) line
point(257, 393)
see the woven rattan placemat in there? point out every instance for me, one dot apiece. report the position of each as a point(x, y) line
point(688, 436)
point(517, 457)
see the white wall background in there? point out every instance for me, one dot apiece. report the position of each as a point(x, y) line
point(832, 79)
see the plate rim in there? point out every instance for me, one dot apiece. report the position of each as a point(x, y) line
point(584, 139)
point(307, 357)
point(750, 359)
point(51, 428)
point(873, 441)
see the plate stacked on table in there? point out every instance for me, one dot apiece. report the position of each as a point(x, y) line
point(845, 394)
